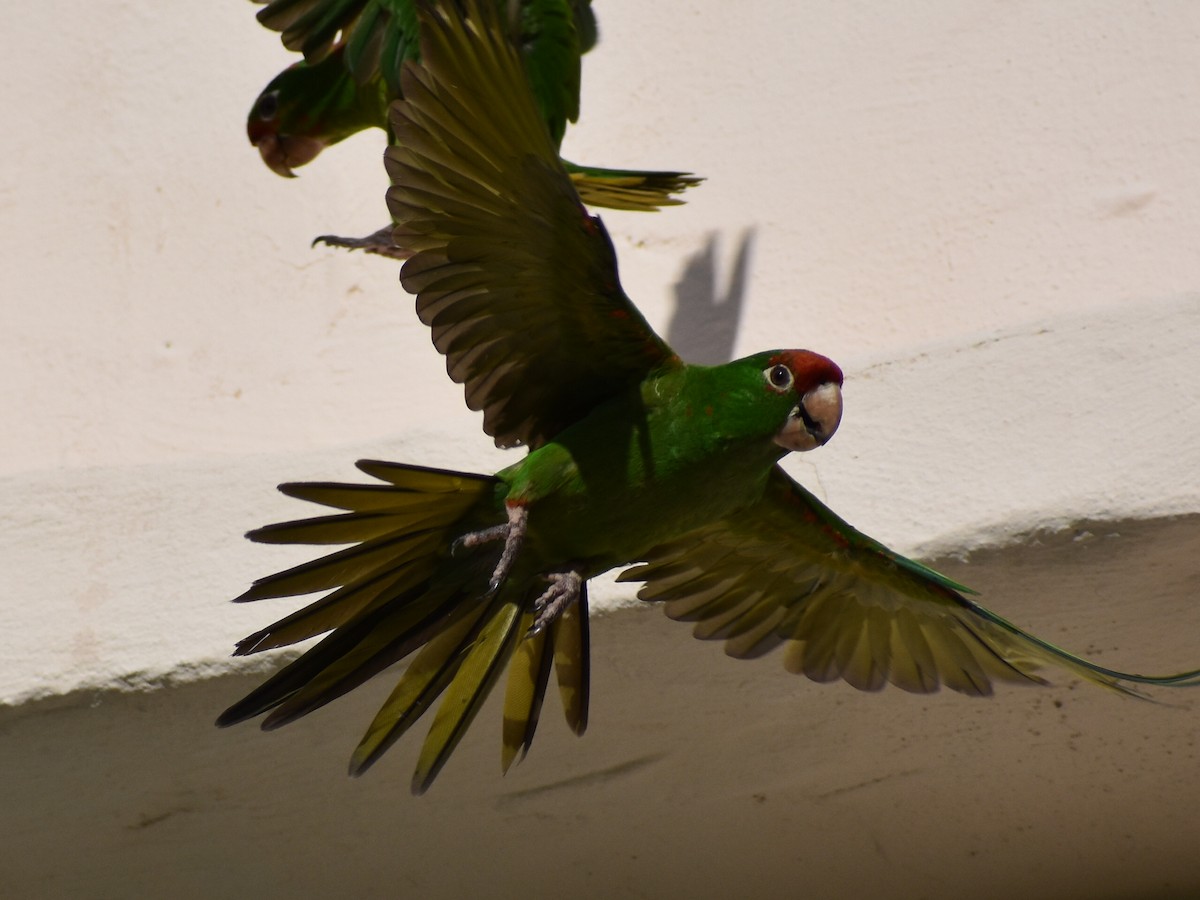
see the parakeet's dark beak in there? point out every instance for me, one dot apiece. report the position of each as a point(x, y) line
point(813, 420)
point(283, 152)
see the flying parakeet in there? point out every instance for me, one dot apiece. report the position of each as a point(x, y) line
point(633, 457)
point(353, 51)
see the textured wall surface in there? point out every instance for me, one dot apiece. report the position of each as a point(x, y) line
point(699, 777)
point(987, 212)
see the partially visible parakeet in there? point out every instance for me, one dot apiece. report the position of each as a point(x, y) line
point(633, 456)
point(353, 51)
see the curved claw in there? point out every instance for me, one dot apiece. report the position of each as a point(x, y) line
point(379, 242)
point(513, 533)
point(564, 590)
point(475, 538)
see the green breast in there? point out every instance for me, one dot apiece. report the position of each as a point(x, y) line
point(641, 470)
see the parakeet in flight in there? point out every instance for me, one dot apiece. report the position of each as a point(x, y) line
point(353, 52)
point(633, 456)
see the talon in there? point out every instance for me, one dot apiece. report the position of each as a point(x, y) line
point(475, 538)
point(514, 537)
point(563, 591)
point(513, 533)
point(380, 242)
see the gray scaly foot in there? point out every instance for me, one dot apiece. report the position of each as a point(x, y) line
point(563, 591)
point(379, 243)
point(513, 533)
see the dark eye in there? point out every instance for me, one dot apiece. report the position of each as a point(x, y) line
point(779, 377)
point(268, 106)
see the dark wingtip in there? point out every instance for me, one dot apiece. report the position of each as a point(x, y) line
point(359, 765)
point(251, 593)
point(248, 645)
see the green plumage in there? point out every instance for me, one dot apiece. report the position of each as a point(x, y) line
point(353, 54)
point(633, 457)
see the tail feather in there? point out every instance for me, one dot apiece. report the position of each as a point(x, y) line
point(352, 565)
point(629, 189)
point(390, 525)
point(423, 479)
point(464, 695)
point(291, 678)
point(333, 609)
point(573, 661)
point(423, 682)
point(528, 674)
point(361, 498)
point(396, 592)
point(337, 529)
point(406, 626)
point(563, 645)
point(385, 603)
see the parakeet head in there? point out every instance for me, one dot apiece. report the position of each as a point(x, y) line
point(307, 107)
point(270, 127)
point(790, 400)
point(811, 387)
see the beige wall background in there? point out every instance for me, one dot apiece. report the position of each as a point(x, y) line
point(987, 212)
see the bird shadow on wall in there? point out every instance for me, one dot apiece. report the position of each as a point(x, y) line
point(704, 325)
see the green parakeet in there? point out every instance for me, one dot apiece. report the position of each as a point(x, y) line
point(632, 456)
point(353, 51)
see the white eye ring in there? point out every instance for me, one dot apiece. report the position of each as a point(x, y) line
point(779, 377)
point(268, 106)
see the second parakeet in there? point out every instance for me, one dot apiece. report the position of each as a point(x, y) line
point(353, 51)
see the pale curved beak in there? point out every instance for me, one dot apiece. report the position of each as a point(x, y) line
point(814, 420)
point(283, 152)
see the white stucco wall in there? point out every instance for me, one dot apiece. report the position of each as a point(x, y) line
point(986, 212)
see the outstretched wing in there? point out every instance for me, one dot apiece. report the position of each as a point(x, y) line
point(518, 282)
point(379, 35)
point(788, 571)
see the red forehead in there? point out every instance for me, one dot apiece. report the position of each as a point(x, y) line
point(808, 368)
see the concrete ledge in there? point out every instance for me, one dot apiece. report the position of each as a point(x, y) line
point(130, 565)
point(701, 776)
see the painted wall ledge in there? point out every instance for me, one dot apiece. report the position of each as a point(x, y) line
point(740, 777)
point(119, 575)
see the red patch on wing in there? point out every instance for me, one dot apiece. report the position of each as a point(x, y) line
point(809, 369)
point(811, 518)
point(838, 538)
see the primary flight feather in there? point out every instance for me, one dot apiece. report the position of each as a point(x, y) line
point(633, 456)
